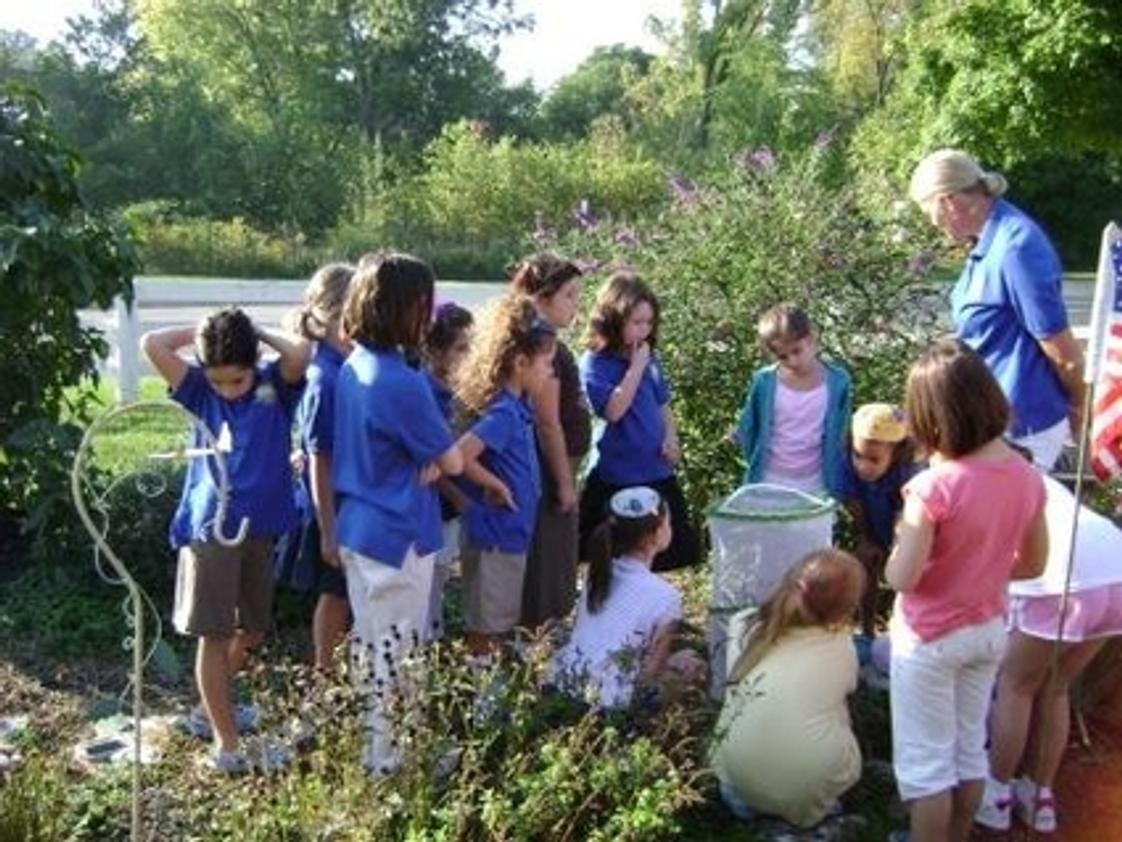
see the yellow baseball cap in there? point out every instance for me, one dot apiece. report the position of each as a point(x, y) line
point(880, 422)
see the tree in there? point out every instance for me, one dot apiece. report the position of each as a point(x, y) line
point(56, 257)
point(595, 88)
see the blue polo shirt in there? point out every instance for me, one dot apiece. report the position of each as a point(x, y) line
point(507, 431)
point(443, 395)
point(882, 499)
point(387, 428)
point(258, 427)
point(315, 416)
point(1007, 299)
point(629, 450)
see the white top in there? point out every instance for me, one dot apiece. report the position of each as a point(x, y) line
point(1098, 547)
point(606, 649)
point(798, 420)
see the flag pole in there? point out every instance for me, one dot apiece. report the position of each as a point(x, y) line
point(1101, 309)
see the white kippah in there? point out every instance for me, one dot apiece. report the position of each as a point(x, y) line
point(639, 501)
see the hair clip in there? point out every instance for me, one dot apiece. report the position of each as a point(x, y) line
point(540, 325)
point(636, 502)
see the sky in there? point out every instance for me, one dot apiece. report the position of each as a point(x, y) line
point(566, 31)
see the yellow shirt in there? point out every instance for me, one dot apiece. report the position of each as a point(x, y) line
point(785, 744)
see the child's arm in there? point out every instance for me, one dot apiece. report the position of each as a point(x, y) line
point(294, 352)
point(494, 489)
point(914, 536)
point(624, 392)
point(671, 448)
point(547, 420)
point(323, 497)
point(162, 346)
point(1032, 557)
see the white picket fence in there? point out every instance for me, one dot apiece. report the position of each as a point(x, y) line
point(124, 328)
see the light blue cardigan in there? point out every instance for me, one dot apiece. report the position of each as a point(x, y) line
point(754, 429)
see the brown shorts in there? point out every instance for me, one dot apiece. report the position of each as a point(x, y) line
point(220, 589)
point(492, 589)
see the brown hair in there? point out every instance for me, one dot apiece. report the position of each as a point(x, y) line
point(783, 323)
point(508, 328)
point(389, 302)
point(543, 275)
point(226, 337)
point(449, 322)
point(954, 403)
point(324, 298)
point(615, 302)
point(823, 589)
point(615, 537)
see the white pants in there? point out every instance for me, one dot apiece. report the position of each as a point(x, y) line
point(1046, 445)
point(940, 692)
point(389, 606)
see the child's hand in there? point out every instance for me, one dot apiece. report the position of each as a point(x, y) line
point(429, 474)
point(298, 462)
point(499, 495)
point(641, 355)
point(329, 551)
point(672, 450)
point(566, 496)
point(871, 554)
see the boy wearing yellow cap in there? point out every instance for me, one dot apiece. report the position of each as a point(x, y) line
point(881, 462)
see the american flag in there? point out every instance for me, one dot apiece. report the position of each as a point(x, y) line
point(1106, 418)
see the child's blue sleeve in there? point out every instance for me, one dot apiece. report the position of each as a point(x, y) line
point(597, 377)
point(193, 390)
point(319, 417)
point(495, 428)
point(422, 430)
point(287, 393)
point(747, 427)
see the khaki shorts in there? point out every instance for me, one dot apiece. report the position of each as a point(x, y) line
point(220, 589)
point(492, 589)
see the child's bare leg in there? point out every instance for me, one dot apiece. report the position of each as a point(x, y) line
point(329, 625)
point(239, 647)
point(931, 818)
point(965, 800)
point(212, 675)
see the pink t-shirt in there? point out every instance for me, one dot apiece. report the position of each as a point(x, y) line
point(982, 509)
point(796, 434)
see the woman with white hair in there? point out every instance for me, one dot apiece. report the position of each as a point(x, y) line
point(1007, 304)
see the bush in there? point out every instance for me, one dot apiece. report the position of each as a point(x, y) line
point(172, 244)
point(56, 257)
point(763, 231)
point(475, 200)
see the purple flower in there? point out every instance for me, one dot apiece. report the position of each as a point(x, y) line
point(586, 220)
point(626, 237)
point(758, 160)
point(588, 265)
point(682, 189)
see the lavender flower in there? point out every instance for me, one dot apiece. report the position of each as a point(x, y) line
point(758, 160)
point(586, 220)
point(682, 189)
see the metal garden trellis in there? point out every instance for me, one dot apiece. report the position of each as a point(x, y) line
point(82, 487)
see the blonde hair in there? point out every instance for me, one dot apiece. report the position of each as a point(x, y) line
point(508, 328)
point(324, 298)
point(953, 171)
point(821, 590)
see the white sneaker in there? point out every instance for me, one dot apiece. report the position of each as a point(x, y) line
point(1034, 805)
point(996, 809)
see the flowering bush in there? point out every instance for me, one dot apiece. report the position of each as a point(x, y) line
point(768, 229)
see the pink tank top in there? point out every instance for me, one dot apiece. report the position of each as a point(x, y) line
point(796, 432)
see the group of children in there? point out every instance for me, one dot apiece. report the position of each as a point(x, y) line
point(427, 436)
